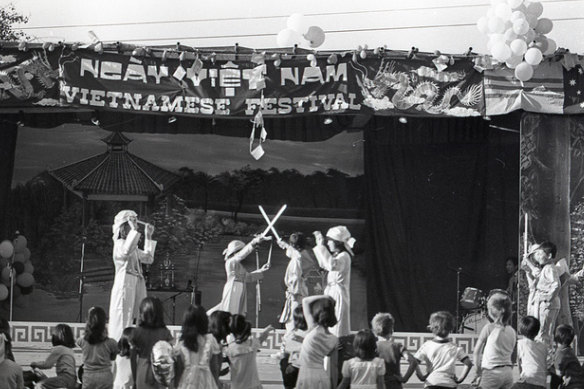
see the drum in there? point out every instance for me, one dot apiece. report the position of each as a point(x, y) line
point(472, 298)
point(474, 322)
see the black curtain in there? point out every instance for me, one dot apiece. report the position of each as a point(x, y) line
point(442, 195)
point(8, 135)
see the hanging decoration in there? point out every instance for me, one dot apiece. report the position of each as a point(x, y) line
point(299, 32)
point(517, 35)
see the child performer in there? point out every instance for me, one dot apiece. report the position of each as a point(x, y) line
point(129, 287)
point(234, 298)
point(296, 288)
point(98, 352)
point(566, 363)
point(496, 343)
point(242, 351)
point(531, 356)
point(319, 312)
point(62, 357)
point(199, 350)
point(123, 378)
point(547, 291)
point(392, 353)
point(336, 259)
point(441, 355)
point(366, 370)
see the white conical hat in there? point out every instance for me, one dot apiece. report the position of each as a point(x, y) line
point(121, 218)
point(233, 247)
point(342, 234)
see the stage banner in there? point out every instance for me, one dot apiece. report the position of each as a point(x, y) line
point(28, 78)
point(574, 87)
point(420, 87)
point(224, 86)
point(543, 93)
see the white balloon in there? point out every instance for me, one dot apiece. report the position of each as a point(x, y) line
point(523, 71)
point(503, 11)
point(490, 12)
point(552, 47)
point(496, 25)
point(535, 8)
point(518, 47)
point(287, 38)
point(520, 26)
point(544, 26)
point(514, 3)
point(516, 15)
point(533, 56)
point(509, 35)
point(501, 52)
point(497, 38)
point(483, 25)
point(513, 61)
point(297, 22)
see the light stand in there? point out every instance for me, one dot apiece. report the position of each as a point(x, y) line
point(12, 284)
point(81, 278)
point(456, 321)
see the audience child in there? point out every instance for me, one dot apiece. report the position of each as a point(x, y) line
point(150, 329)
point(62, 358)
point(319, 342)
point(392, 353)
point(441, 355)
point(199, 350)
point(366, 370)
point(290, 349)
point(241, 351)
point(496, 343)
point(10, 373)
point(531, 356)
point(98, 351)
point(219, 326)
point(566, 364)
point(123, 378)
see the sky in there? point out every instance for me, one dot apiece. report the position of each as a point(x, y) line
point(445, 25)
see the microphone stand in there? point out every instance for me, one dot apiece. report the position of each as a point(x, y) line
point(458, 271)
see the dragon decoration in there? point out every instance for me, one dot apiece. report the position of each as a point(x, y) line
point(31, 79)
point(421, 89)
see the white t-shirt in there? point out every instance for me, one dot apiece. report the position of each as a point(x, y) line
point(532, 357)
point(499, 344)
point(441, 357)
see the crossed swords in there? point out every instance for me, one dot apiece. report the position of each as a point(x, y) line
point(272, 222)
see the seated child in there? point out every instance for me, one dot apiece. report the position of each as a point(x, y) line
point(566, 364)
point(291, 344)
point(531, 356)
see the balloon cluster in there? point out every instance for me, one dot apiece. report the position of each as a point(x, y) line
point(298, 32)
point(15, 262)
point(517, 34)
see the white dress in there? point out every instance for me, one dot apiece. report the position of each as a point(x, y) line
point(197, 373)
point(338, 286)
point(316, 346)
point(129, 287)
point(296, 287)
point(363, 373)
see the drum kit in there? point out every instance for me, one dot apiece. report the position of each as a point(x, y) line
point(474, 304)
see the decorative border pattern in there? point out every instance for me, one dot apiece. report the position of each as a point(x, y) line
point(37, 335)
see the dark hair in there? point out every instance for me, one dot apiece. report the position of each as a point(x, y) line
point(529, 327)
point(513, 260)
point(124, 344)
point(195, 323)
point(564, 334)
point(298, 319)
point(548, 248)
point(340, 246)
point(95, 331)
point(219, 325)
point(365, 345)
point(323, 312)
point(62, 335)
point(151, 313)
point(240, 328)
point(124, 230)
point(5, 329)
point(297, 240)
point(441, 323)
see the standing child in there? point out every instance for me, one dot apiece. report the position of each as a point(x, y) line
point(123, 378)
point(531, 356)
point(199, 350)
point(151, 329)
point(290, 350)
point(392, 353)
point(318, 343)
point(566, 364)
point(219, 326)
point(441, 355)
point(496, 343)
point(365, 371)
point(62, 357)
point(98, 352)
point(242, 350)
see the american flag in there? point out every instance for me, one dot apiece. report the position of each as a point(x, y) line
point(574, 89)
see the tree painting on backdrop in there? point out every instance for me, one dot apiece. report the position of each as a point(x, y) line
point(200, 192)
point(552, 197)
